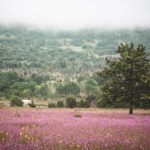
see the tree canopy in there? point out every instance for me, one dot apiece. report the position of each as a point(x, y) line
point(127, 79)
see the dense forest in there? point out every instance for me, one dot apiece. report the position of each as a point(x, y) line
point(42, 64)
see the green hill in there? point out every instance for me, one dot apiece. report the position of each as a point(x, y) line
point(67, 53)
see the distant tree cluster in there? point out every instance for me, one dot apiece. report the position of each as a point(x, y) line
point(12, 85)
point(70, 88)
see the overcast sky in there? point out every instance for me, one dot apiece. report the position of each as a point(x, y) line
point(68, 14)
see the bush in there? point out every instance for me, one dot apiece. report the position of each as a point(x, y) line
point(16, 101)
point(83, 104)
point(32, 104)
point(91, 98)
point(101, 104)
point(60, 104)
point(105, 104)
point(51, 105)
point(71, 102)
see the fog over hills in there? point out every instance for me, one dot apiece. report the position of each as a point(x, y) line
point(76, 14)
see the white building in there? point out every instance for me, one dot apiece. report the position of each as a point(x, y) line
point(26, 102)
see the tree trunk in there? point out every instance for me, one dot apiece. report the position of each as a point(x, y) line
point(131, 109)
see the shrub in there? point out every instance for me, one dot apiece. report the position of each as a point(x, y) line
point(32, 104)
point(101, 103)
point(91, 98)
point(71, 102)
point(83, 104)
point(16, 101)
point(60, 104)
point(51, 105)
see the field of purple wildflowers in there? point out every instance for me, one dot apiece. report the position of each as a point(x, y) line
point(29, 129)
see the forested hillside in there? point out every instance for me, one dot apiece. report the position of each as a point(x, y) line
point(49, 63)
point(70, 53)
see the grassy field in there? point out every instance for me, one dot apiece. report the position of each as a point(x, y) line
point(74, 129)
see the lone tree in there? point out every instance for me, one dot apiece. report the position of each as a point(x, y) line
point(127, 79)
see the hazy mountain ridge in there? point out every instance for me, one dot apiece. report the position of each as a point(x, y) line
point(66, 52)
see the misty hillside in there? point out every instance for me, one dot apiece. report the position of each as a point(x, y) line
point(70, 53)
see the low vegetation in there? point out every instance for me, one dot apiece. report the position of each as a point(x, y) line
point(65, 129)
point(16, 101)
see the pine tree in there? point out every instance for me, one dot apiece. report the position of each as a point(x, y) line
point(128, 78)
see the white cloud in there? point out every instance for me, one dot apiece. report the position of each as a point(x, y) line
point(76, 13)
